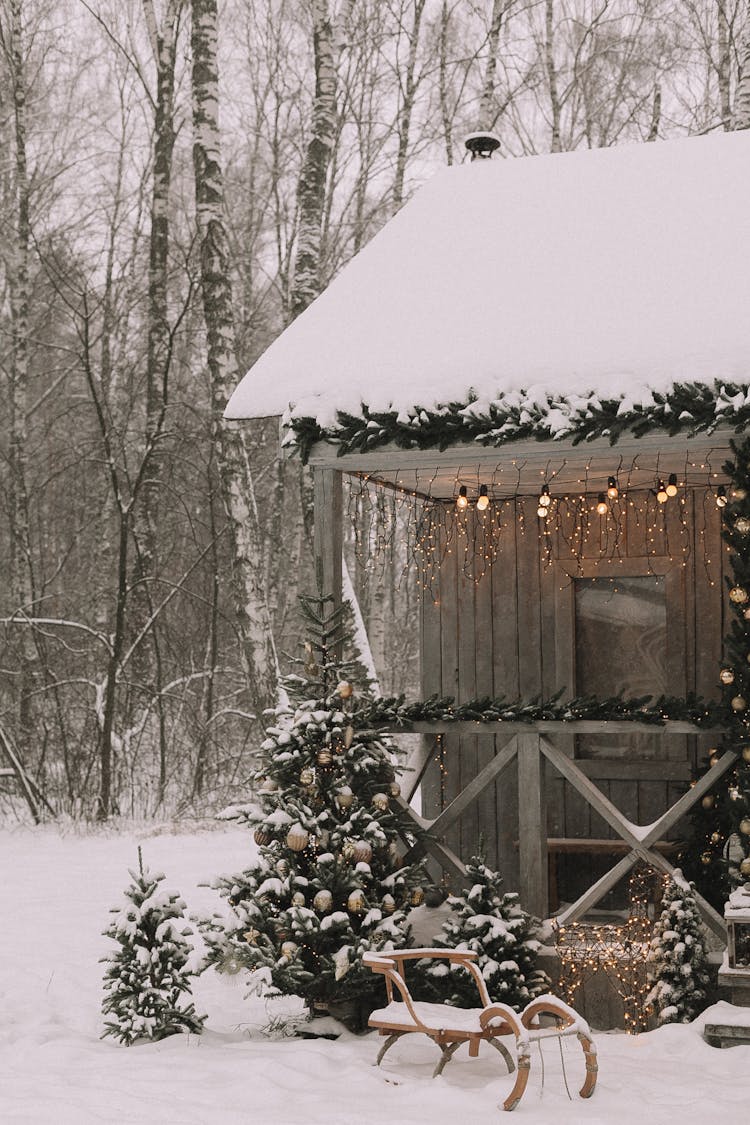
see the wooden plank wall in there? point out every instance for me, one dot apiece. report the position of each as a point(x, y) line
point(507, 634)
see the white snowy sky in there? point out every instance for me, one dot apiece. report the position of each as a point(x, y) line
point(609, 271)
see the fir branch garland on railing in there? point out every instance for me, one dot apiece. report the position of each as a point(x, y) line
point(397, 712)
point(689, 408)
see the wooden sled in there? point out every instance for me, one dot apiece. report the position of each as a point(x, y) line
point(547, 1017)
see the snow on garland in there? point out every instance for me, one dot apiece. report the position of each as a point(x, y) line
point(687, 408)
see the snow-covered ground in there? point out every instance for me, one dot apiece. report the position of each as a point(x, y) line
point(55, 894)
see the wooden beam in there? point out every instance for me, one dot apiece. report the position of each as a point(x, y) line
point(597, 892)
point(477, 785)
point(551, 726)
point(327, 539)
point(532, 826)
point(592, 794)
point(687, 800)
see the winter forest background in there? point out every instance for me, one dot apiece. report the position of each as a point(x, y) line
point(142, 538)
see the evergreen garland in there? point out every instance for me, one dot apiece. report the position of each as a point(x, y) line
point(146, 981)
point(677, 958)
point(688, 408)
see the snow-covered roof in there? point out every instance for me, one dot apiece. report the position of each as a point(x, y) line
point(614, 273)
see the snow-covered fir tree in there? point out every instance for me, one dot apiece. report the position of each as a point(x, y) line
point(677, 958)
point(147, 982)
point(492, 923)
point(329, 883)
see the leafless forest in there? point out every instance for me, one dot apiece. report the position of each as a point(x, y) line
point(178, 183)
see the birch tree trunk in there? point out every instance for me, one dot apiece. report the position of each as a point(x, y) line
point(21, 572)
point(724, 63)
point(741, 115)
point(406, 109)
point(312, 181)
point(549, 56)
point(488, 112)
point(253, 622)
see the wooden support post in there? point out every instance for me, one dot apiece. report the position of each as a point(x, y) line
point(532, 826)
point(328, 532)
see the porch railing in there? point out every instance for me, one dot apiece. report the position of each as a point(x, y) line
point(533, 753)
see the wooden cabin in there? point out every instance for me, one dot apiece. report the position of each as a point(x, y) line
point(566, 337)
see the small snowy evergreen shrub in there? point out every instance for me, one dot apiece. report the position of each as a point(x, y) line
point(146, 978)
point(493, 924)
point(677, 959)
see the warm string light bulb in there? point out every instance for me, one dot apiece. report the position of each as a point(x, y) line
point(721, 497)
point(601, 505)
point(483, 500)
point(661, 492)
point(544, 497)
point(613, 490)
point(462, 500)
point(671, 489)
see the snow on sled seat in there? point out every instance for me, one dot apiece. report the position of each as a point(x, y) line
point(449, 1027)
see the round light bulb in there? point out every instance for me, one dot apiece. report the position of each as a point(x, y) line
point(671, 489)
point(612, 490)
point(544, 497)
point(721, 497)
point(462, 500)
point(601, 505)
point(542, 512)
point(483, 500)
point(661, 493)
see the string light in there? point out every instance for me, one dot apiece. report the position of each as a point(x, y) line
point(613, 490)
point(544, 497)
point(483, 500)
point(602, 507)
point(462, 500)
point(721, 497)
point(661, 493)
point(671, 488)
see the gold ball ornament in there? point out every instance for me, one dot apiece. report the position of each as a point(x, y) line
point(323, 901)
point(298, 899)
point(355, 903)
point(708, 801)
point(289, 949)
point(738, 595)
point(715, 838)
point(306, 776)
point(347, 849)
point(706, 858)
point(739, 703)
point(742, 525)
point(345, 689)
point(746, 614)
point(745, 866)
point(380, 801)
point(739, 494)
point(297, 838)
point(345, 798)
point(388, 904)
point(745, 826)
point(394, 789)
point(417, 897)
point(713, 760)
point(261, 836)
point(362, 851)
point(746, 753)
point(324, 757)
point(726, 675)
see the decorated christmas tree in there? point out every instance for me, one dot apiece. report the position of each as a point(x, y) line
point(717, 854)
point(146, 982)
point(677, 959)
point(329, 883)
point(491, 922)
